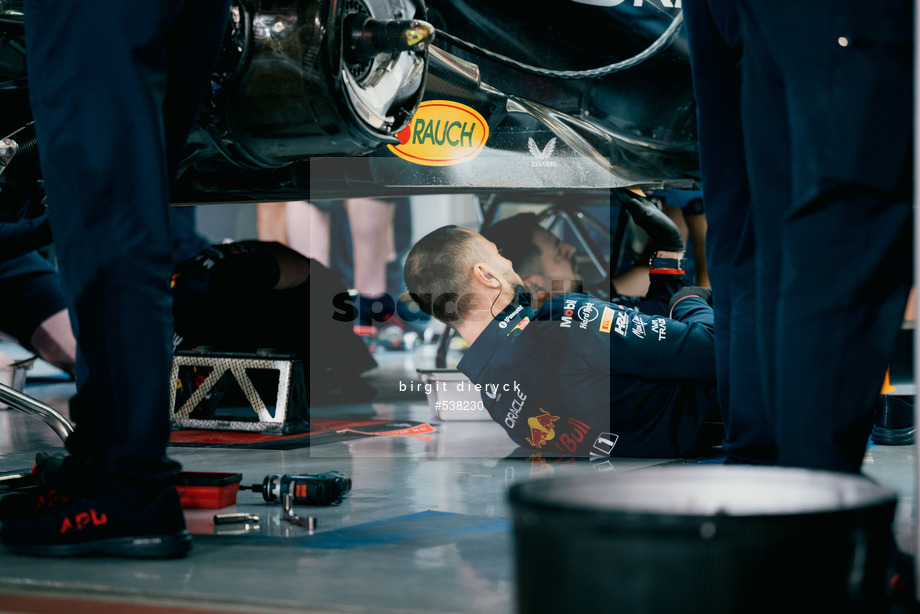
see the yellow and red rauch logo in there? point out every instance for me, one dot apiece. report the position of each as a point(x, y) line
point(442, 133)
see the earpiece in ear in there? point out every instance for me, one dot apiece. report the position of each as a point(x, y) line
point(489, 275)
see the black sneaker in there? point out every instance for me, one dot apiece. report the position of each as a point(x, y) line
point(894, 421)
point(22, 505)
point(99, 523)
point(55, 477)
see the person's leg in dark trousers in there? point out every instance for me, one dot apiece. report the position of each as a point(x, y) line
point(114, 91)
point(714, 37)
point(829, 185)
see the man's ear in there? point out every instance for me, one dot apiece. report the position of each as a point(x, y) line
point(484, 276)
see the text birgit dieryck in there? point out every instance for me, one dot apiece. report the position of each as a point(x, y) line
point(491, 389)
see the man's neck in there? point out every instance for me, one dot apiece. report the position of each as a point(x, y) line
point(472, 327)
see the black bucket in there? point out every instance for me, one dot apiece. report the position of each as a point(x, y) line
point(702, 539)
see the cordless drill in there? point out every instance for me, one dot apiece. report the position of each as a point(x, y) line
point(320, 489)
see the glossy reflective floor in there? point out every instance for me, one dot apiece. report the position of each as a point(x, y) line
point(426, 527)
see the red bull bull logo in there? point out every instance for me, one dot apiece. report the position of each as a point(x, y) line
point(541, 428)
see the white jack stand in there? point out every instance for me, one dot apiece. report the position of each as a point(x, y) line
point(262, 393)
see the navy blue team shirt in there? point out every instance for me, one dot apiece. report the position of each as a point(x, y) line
point(584, 377)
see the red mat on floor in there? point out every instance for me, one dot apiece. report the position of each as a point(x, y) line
point(322, 431)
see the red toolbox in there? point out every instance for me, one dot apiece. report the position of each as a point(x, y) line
point(207, 490)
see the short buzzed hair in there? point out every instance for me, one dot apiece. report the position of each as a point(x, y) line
point(437, 271)
point(514, 239)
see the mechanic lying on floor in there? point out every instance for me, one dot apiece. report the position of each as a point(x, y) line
point(549, 267)
point(579, 376)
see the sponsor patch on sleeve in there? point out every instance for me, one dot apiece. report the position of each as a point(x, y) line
point(606, 320)
point(622, 323)
point(605, 443)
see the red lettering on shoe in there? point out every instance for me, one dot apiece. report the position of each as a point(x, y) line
point(43, 500)
point(83, 519)
point(50, 499)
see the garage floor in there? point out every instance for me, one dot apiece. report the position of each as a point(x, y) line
point(426, 527)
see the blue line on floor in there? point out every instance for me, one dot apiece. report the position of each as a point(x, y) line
point(428, 524)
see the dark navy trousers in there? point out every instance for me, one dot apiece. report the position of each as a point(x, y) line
point(823, 95)
point(714, 36)
point(114, 88)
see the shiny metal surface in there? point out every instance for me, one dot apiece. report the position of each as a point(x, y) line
point(8, 149)
point(288, 93)
point(11, 9)
point(33, 407)
point(19, 154)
